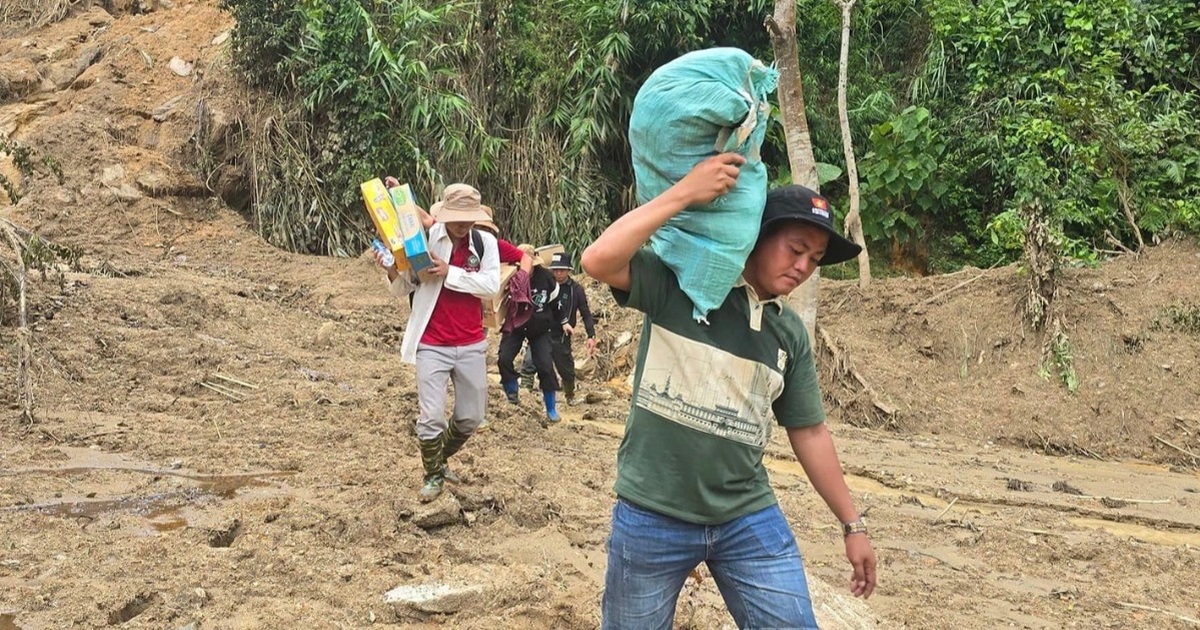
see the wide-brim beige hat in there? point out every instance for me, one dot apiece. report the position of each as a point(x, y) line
point(489, 225)
point(531, 251)
point(460, 204)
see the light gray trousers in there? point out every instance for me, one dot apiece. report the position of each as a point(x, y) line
point(466, 366)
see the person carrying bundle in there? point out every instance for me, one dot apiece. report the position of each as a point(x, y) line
point(444, 337)
point(691, 486)
point(534, 310)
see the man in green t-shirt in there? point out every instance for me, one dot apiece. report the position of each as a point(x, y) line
point(691, 486)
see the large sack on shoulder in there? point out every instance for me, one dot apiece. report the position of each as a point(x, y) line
point(703, 103)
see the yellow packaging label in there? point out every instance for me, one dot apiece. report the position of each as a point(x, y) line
point(387, 222)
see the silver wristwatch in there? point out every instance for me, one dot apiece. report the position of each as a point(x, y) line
point(855, 527)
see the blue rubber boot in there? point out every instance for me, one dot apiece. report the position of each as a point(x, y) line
point(551, 407)
point(511, 390)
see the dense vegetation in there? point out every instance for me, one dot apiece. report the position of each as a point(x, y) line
point(963, 113)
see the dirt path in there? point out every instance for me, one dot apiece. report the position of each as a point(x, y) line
point(322, 544)
point(222, 442)
point(1004, 505)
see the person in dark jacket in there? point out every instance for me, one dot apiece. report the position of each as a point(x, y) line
point(546, 317)
point(573, 301)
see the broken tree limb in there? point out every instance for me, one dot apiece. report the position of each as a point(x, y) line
point(1117, 243)
point(1119, 499)
point(222, 391)
point(939, 516)
point(841, 365)
point(1126, 198)
point(234, 380)
point(1194, 456)
point(1038, 532)
point(24, 348)
point(964, 283)
point(1184, 618)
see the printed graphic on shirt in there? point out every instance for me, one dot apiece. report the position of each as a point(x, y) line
point(708, 389)
point(539, 298)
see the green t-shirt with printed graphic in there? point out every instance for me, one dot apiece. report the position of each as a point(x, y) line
point(706, 396)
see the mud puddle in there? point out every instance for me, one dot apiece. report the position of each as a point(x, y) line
point(161, 511)
point(8, 621)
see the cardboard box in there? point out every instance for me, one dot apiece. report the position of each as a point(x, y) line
point(495, 308)
point(547, 252)
point(387, 224)
point(506, 274)
point(494, 312)
point(416, 247)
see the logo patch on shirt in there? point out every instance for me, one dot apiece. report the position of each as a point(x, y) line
point(782, 360)
point(473, 261)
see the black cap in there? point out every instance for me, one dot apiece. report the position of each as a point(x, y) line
point(560, 260)
point(797, 203)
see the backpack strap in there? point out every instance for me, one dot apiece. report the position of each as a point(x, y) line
point(477, 242)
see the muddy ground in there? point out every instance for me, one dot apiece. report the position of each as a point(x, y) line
point(221, 428)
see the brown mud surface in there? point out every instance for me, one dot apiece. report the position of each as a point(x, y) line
point(222, 429)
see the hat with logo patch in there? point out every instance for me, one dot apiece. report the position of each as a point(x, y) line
point(797, 203)
point(561, 260)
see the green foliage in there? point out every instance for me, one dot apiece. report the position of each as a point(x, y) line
point(10, 189)
point(373, 88)
point(901, 173)
point(1065, 102)
point(1060, 362)
point(526, 100)
point(42, 255)
point(26, 159)
point(1088, 106)
point(962, 111)
point(1183, 317)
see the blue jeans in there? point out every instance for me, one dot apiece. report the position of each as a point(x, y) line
point(753, 559)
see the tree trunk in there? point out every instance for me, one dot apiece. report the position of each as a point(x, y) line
point(782, 28)
point(853, 226)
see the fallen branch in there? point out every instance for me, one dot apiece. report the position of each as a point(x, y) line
point(939, 516)
point(1117, 243)
point(1126, 199)
point(1194, 456)
point(1038, 532)
point(918, 552)
point(234, 380)
point(24, 348)
point(100, 434)
point(228, 393)
point(1191, 620)
point(1120, 500)
point(842, 365)
point(938, 296)
point(1050, 448)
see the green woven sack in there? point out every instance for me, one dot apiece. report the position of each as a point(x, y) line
point(703, 103)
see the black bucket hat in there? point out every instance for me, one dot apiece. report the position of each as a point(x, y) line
point(561, 260)
point(797, 203)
